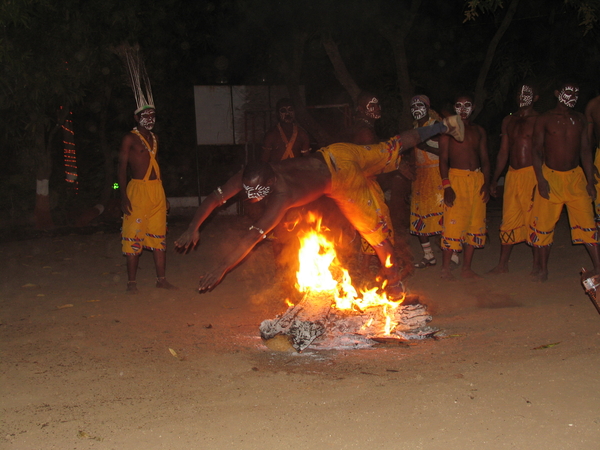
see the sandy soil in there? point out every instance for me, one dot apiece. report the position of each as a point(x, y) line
point(85, 366)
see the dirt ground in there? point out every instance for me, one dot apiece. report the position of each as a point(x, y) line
point(85, 366)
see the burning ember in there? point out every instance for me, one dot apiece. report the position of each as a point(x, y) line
point(332, 310)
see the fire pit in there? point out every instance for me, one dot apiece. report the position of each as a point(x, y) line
point(332, 314)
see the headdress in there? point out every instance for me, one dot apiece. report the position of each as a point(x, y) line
point(140, 83)
point(421, 97)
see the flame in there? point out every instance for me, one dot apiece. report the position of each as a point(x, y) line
point(317, 265)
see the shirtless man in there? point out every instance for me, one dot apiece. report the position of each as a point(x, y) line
point(427, 199)
point(516, 149)
point(562, 160)
point(143, 203)
point(592, 115)
point(465, 172)
point(368, 111)
point(287, 139)
point(344, 172)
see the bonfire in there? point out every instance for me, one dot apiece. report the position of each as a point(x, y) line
point(332, 313)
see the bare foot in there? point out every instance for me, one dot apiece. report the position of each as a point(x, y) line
point(468, 273)
point(162, 283)
point(132, 287)
point(498, 270)
point(447, 275)
point(540, 277)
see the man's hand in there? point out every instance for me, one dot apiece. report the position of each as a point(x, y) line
point(210, 280)
point(591, 190)
point(449, 197)
point(493, 189)
point(544, 188)
point(187, 241)
point(485, 193)
point(126, 206)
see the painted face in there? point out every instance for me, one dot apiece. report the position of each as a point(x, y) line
point(418, 109)
point(373, 109)
point(525, 96)
point(256, 193)
point(147, 119)
point(287, 114)
point(569, 95)
point(463, 107)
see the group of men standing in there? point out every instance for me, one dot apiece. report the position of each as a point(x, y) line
point(550, 165)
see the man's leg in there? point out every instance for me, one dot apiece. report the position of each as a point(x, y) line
point(389, 266)
point(428, 256)
point(502, 266)
point(446, 258)
point(466, 271)
point(132, 267)
point(451, 125)
point(594, 252)
point(160, 263)
point(540, 273)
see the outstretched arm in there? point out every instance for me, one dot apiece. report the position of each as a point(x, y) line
point(189, 239)
point(273, 214)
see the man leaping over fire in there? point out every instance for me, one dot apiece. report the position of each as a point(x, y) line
point(343, 172)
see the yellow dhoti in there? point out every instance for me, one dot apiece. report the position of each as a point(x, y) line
point(145, 227)
point(354, 187)
point(566, 188)
point(427, 202)
point(519, 189)
point(464, 222)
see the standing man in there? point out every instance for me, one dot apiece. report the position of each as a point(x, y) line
point(465, 172)
point(144, 203)
point(344, 172)
point(286, 139)
point(516, 147)
point(427, 199)
point(368, 110)
point(592, 115)
point(562, 159)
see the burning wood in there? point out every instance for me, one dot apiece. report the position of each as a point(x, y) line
point(332, 314)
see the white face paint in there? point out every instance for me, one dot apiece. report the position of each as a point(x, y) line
point(373, 109)
point(463, 108)
point(569, 95)
point(147, 119)
point(287, 114)
point(418, 109)
point(257, 192)
point(525, 96)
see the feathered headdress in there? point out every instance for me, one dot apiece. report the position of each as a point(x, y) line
point(140, 83)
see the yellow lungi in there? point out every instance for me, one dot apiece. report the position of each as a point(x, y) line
point(597, 199)
point(464, 222)
point(566, 188)
point(427, 201)
point(146, 226)
point(354, 187)
point(519, 189)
